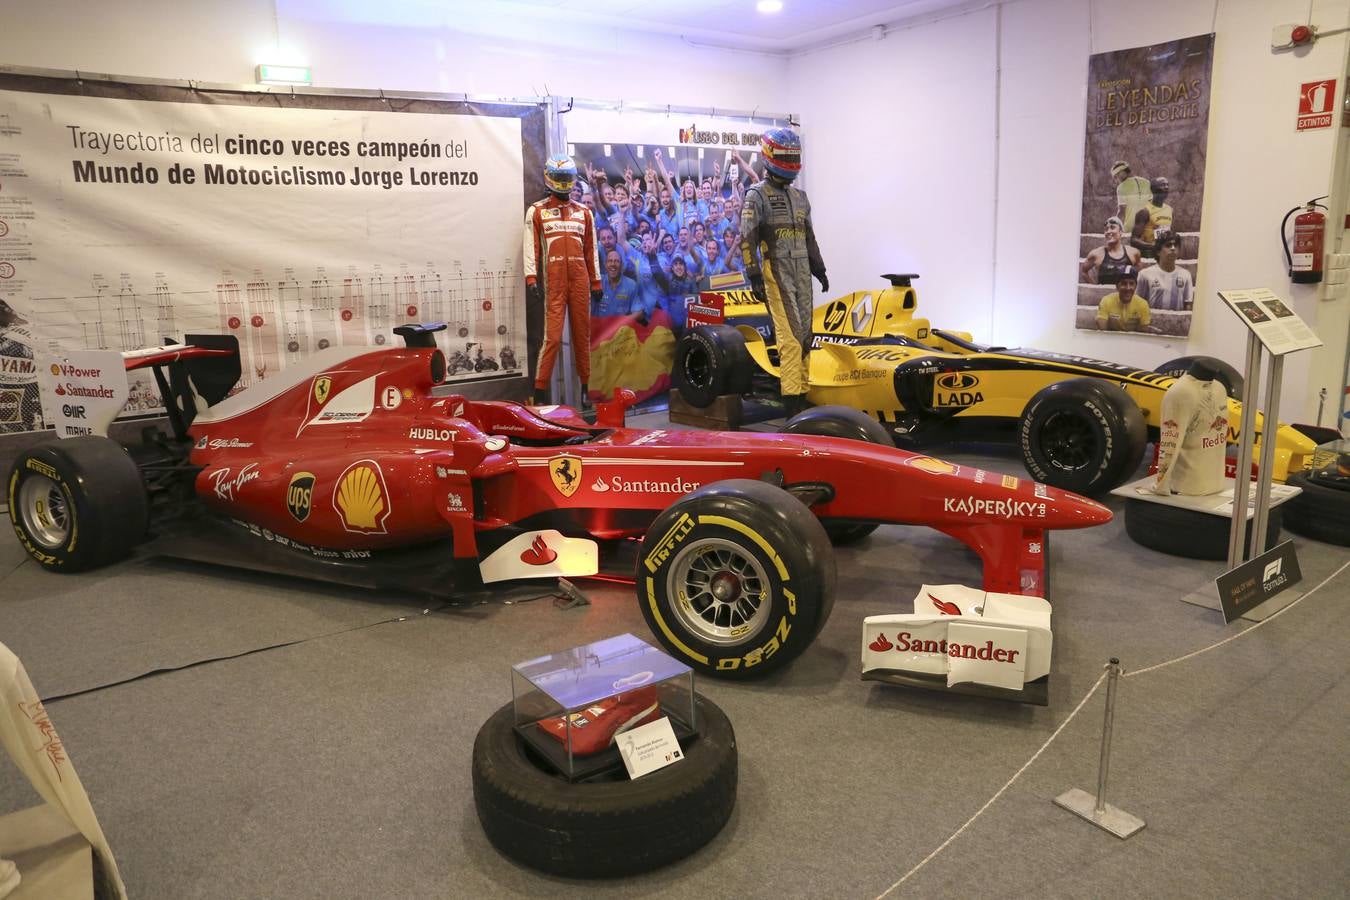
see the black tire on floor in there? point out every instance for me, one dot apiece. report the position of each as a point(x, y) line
point(710, 361)
point(1320, 512)
point(1229, 377)
point(1187, 532)
point(1083, 435)
point(603, 829)
point(845, 422)
point(736, 579)
point(77, 503)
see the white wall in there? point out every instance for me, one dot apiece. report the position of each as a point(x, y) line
point(909, 117)
point(899, 162)
point(400, 44)
point(904, 146)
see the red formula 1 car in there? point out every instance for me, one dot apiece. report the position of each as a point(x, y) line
point(359, 465)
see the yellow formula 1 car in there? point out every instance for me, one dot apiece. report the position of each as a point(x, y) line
point(1081, 424)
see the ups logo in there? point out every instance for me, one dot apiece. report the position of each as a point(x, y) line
point(300, 495)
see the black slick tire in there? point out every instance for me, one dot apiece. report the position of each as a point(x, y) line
point(710, 361)
point(1083, 435)
point(1188, 532)
point(77, 503)
point(844, 422)
point(1320, 512)
point(1229, 377)
point(603, 829)
point(736, 578)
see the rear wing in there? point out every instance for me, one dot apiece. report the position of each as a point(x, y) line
point(84, 391)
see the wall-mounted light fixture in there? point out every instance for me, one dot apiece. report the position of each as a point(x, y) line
point(266, 73)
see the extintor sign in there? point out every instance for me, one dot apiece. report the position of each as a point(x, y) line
point(1316, 99)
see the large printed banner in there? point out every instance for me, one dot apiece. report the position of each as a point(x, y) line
point(1143, 187)
point(666, 190)
point(135, 213)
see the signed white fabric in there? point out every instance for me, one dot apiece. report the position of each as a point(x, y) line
point(27, 733)
point(1193, 440)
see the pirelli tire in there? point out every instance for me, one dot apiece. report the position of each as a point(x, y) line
point(844, 422)
point(710, 361)
point(1229, 377)
point(1083, 435)
point(736, 579)
point(1187, 532)
point(78, 503)
point(607, 828)
point(1321, 512)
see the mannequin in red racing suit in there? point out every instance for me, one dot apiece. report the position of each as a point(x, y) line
point(562, 261)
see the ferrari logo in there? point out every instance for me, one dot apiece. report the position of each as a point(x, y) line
point(322, 385)
point(566, 474)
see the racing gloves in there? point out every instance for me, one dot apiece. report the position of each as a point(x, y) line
point(757, 283)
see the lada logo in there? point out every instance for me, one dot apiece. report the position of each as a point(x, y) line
point(957, 381)
point(956, 389)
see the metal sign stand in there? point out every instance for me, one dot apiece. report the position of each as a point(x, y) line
point(1095, 809)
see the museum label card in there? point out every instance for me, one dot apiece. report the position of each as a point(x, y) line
point(649, 747)
point(1272, 320)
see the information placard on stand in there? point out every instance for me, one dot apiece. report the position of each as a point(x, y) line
point(1274, 326)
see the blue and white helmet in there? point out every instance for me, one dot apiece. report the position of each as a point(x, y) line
point(782, 150)
point(560, 173)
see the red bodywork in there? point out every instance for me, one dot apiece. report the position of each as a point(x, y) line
point(357, 452)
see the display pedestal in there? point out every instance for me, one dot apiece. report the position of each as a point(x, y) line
point(724, 415)
point(1110, 818)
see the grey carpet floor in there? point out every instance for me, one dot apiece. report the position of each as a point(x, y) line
point(338, 765)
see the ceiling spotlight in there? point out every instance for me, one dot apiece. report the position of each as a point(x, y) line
point(769, 6)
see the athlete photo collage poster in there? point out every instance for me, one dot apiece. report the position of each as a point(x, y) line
point(135, 214)
point(666, 190)
point(1143, 187)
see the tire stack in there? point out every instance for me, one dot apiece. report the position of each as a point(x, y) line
point(604, 828)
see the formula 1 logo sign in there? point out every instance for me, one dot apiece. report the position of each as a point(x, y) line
point(1257, 580)
point(1315, 102)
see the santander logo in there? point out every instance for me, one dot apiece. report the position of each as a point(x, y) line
point(880, 644)
point(539, 553)
point(947, 609)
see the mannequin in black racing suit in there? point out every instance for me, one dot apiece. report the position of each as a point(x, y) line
point(779, 247)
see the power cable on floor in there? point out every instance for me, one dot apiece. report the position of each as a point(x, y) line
point(923, 862)
point(214, 659)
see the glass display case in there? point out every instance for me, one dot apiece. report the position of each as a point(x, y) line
point(571, 706)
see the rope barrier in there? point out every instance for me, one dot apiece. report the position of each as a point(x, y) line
point(1077, 709)
point(1243, 633)
point(1008, 784)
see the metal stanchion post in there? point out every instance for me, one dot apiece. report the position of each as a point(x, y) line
point(1095, 809)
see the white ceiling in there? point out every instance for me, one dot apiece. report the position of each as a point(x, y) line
point(736, 23)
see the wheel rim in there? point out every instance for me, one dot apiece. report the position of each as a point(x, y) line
point(720, 592)
point(698, 367)
point(45, 514)
point(1069, 440)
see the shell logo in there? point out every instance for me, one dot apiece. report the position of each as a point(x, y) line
point(929, 464)
point(362, 499)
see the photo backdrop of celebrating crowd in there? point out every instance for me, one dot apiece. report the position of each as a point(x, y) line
point(666, 190)
point(132, 213)
point(1143, 187)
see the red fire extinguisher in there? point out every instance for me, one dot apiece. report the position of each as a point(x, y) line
point(1310, 228)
